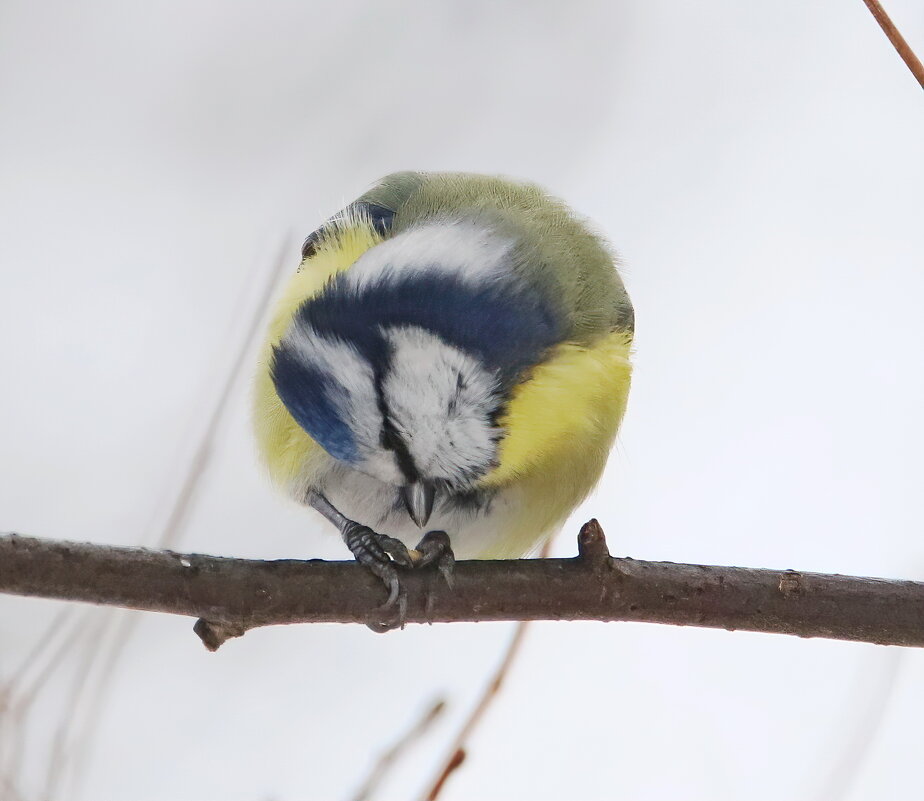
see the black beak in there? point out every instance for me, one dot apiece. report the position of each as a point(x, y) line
point(418, 500)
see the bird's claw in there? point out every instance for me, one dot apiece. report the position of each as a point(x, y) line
point(435, 548)
point(373, 549)
point(382, 554)
point(393, 611)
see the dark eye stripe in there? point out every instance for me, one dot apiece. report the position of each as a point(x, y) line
point(393, 441)
point(390, 438)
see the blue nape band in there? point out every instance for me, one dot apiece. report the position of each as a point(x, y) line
point(508, 327)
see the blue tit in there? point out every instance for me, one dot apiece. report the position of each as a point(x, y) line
point(452, 353)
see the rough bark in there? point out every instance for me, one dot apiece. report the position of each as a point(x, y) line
point(231, 596)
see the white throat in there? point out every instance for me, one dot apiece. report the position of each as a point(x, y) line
point(442, 401)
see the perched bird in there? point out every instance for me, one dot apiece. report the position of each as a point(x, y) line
point(453, 352)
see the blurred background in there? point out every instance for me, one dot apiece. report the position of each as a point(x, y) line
point(759, 168)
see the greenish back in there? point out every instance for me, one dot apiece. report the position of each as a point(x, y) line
point(555, 251)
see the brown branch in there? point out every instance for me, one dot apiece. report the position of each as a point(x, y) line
point(235, 595)
point(898, 41)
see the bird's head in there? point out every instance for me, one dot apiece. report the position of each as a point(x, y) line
point(419, 414)
point(402, 365)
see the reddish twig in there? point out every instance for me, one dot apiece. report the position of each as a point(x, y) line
point(396, 751)
point(457, 752)
point(455, 760)
point(898, 41)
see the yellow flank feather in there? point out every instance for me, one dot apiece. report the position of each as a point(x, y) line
point(560, 426)
point(290, 454)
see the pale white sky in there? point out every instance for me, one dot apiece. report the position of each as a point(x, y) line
point(759, 167)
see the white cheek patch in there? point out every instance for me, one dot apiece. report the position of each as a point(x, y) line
point(440, 400)
point(461, 247)
point(351, 390)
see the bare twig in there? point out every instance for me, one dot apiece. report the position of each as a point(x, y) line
point(185, 499)
point(456, 758)
point(102, 659)
point(457, 751)
point(23, 689)
point(236, 595)
point(61, 744)
point(898, 41)
point(869, 704)
point(388, 758)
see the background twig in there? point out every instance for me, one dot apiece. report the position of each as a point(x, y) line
point(96, 664)
point(389, 757)
point(898, 41)
point(457, 752)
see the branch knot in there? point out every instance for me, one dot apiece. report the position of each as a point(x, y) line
point(215, 633)
point(592, 542)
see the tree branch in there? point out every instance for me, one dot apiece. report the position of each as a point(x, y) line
point(231, 596)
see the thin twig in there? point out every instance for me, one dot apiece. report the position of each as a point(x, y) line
point(180, 507)
point(389, 757)
point(188, 490)
point(457, 751)
point(898, 41)
point(86, 727)
point(61, 745)
point(870, 703)
point(456, 758)
point(184, 500)
point(20, 699)
point(231, 596)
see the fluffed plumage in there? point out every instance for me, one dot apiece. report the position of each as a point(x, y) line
point(462, 333)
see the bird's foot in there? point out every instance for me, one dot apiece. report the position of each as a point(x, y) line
point(383, 555)
point(380, 553)
point(435, 548)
